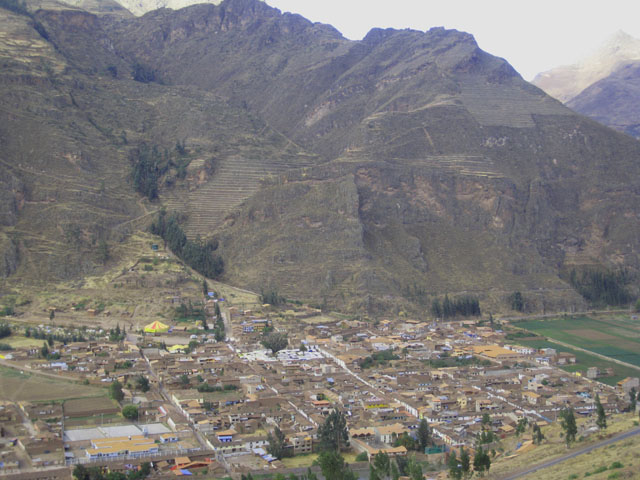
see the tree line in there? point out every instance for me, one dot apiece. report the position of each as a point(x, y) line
point(601, 287)
point(463, 306)
point(80, 472)
point(195, 253)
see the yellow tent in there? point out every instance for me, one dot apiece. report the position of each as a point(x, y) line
point(156, 327)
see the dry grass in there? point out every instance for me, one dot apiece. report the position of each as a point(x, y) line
point(19, 341)
point(134, 292)
point(554, 446)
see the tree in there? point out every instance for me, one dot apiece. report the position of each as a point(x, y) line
point(423, 434)
point(601, 421)
point(486, 420)
point(103, 251)
point(373, 473)
point(362, 457)
point(382, 464)
point(521, 426)
point(517, 302)
point(334, 467)
point(395, 473)
point(568, 424)
point(481, 462)
point(44, 351)
point(130, 412)
point(414, 469)
point(142, 383)
point(465, 462)
point(303, 347)
point(184, 380)
point(277, 443)
point(115, 391)
point(633, 398)
point(205, 287)
point(333, 433)
point(537, 434)
point(80, 472)
point(455, 470)
point(407, 442)
point(275, 341)
point(52, 315)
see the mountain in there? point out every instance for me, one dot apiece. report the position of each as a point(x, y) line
point(362, 175)
point(566, 82)
point(140, 7)
point(604, 86)
point(614, 100)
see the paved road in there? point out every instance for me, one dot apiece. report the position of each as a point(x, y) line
point(576, 453)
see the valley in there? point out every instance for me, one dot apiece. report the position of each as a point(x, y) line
point(236, 244)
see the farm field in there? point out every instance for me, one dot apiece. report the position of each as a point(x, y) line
point(17, 386)
point(617, 338)
point(20, 341)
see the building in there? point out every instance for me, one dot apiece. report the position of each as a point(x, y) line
point(137, 445)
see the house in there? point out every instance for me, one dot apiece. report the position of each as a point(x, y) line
point(302, 443)
point(629, 383)
point(169, 438)
point(388, 433)
point(532, 398)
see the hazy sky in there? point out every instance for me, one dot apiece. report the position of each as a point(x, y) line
point(533, 36)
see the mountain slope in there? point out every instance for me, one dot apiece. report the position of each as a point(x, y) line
point(71, 116)
point(366, 175)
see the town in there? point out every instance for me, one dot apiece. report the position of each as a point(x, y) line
point(246, 392)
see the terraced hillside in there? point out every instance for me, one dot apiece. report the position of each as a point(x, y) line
point(235, 180)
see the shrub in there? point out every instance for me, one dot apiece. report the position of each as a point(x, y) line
point(130, 412)
point(615, 465)
point(362, 457)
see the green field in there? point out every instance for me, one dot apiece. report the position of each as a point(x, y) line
point(615, 337)
point(18, 385)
